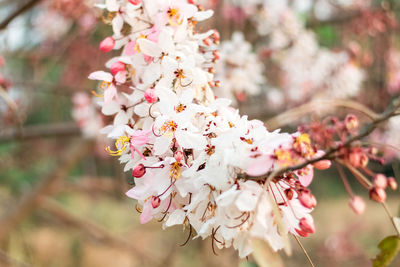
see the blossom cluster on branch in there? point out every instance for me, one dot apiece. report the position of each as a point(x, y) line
point(187, 149)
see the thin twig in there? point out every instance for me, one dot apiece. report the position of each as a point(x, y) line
point(391, 218)
point(304, 250)
point(62, 129)
point(369, 128)
point(22, 9)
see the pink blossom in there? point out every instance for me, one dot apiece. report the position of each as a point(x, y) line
point(117, 67)
point(150, 95)
point(357, 204)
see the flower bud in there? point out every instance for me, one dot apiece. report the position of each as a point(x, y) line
point(392, 183)
point(216, 55)
point(117, 67)
point(216, 35)
point(351, 122)
point(307, 226)
point(377, 194)
point(364, 160)
point(135, 2)
point(139, 171)
point(354, 159)
point(107, 44)
point(217, 84)
point(155, 202)
point(380, 181)
point(307, 200)
point(193, 2)
point(207, 41)
point(301, 233)
point(323, 164)
point(150, 95)
point(357, 204)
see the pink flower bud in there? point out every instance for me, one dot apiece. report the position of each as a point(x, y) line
point(307, 199)
point(150, 95)
point(354, 159)
point(377, 194)
point(216, 55)
point(351, 122)
point(301, 233)
point(323, 164)
point(307, 226)
point(107, 44)
point(207, 41)
point(155, 202)
point(139, 171)
point(117, 67)
point(357, 204)
point(380, 181)
point(216, 35)
point(392, 183)
point(193, 2)
point(135, 2)
point(217, 84)
point(364, 160)
point(178, 156)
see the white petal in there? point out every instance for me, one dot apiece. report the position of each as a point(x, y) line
point(101, 76)
point(149, 48)
point(176, 217)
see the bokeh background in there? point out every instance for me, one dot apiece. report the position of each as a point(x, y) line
point(62, 198)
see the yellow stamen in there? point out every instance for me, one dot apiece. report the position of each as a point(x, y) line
point(122, 142)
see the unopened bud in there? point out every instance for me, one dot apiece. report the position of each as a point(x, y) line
point(307, 226)
point(357, 204)
point(155, 202)
point(307, 200)
point(207, 41)
point(139, 171)
point(354, 159)
point(107, 44)
point(351, 122)
point(117, 67)
point(323, 164)
point(377, 194)
point(135, 2)
point(392, 183)
point(216, 35)
point(211, 70)
point(217, 83)
point(380, 181)
point(301, 233)
point(216, 55)
point(150, 95)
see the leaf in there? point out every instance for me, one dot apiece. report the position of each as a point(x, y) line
point(390, 247)
point(264, 255)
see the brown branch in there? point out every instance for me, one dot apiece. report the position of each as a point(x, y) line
point(20, 10)
point(30, 202)
point(369, 128)
point(39, 131)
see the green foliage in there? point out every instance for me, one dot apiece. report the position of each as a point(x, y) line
point(327, 36)
point(390, 247)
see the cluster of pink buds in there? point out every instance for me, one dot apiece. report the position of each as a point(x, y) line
point(333, 133)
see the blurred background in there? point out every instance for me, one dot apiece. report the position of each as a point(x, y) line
point(62, 197)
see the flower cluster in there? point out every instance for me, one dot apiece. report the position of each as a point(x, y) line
point(239, 68)
point(193, 155)
point(332, 133)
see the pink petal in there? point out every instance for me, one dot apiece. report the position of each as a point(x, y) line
point(110, 93)
point(261, 165)
point(306, 175)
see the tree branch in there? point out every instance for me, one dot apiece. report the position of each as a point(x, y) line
point(22, 9)
point(369, 128)
point(39, 131)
